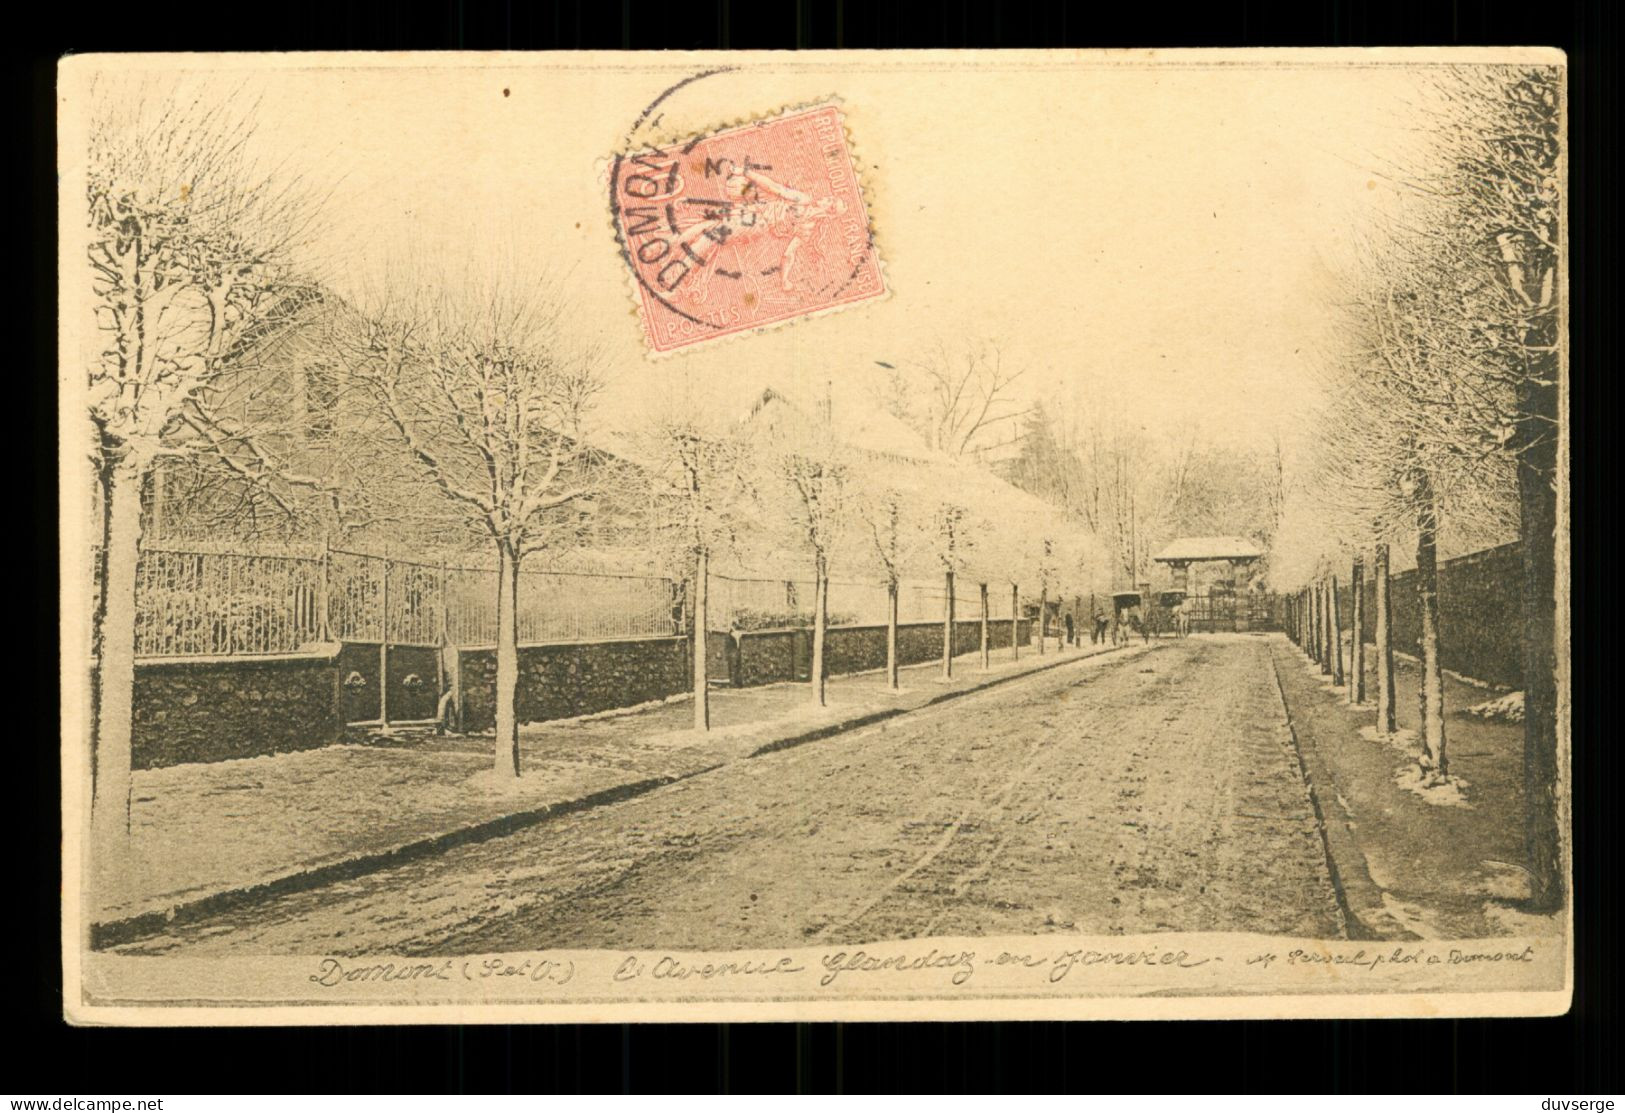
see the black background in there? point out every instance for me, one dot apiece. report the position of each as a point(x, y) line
point(1576, 1054)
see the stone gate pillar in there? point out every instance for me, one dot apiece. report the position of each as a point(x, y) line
point(1182, 575)
point(1242, 605)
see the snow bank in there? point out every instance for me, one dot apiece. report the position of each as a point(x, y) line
point(1402, 740)
point(1446, 793)
point(1507, 709)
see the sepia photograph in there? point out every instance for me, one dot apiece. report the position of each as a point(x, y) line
point(839, 535)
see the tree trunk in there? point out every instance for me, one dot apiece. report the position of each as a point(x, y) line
point(1325, 630)
point(1314, 622)
point(1337, 634)
point(1357, 624)
point(383, 648)
point(1537, 534)
point(507, 694)
point(987, 645)
point(1320, 626)
point(1015, 622)
point(820, 625)
point(948, 629)
point(441, 638)
point(114, 646)
point(892, 679)
point(1043, 617)
point(1386, 721)
point(701, 624)
point(1430, 688)
point(1540, 449)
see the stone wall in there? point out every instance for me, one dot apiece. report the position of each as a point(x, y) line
point(413, 691)
point(1480, 614)
point(212, 709)
point(218, 708)
point(560, 681)
point(776, 656)
point(770, 656)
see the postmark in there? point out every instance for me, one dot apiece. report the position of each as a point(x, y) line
point(744, 228)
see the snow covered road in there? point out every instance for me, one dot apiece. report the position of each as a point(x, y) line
point(1155, 789)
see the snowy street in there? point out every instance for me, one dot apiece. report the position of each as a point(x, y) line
point(1155, 789)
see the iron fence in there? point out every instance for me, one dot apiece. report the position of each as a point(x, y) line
point(206, 604)
point(755, 602)
point(210, 601)
point(191, 603)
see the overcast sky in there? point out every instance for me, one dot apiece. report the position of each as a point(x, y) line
point(1153, 242)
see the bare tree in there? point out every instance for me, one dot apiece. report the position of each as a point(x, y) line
point(1409, 447)
point(1505, 182)
point(955, 398)
point(887, 517)
point(703, 498)
point(483, 396)
point(953, 541)
point(1467, 331)
point(811, 465)
point(191, 247)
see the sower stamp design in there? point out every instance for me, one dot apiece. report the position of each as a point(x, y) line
point(745, 228)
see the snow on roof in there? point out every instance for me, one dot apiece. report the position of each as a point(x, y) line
point(861, 425)
point(1210, 548)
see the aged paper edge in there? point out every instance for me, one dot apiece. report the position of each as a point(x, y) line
point(1412, 1006)
point(682, 60)
point(74, 538)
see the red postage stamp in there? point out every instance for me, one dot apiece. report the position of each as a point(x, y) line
point(741, 229)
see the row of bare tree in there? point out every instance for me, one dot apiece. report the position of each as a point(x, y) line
point(1443, 419)
point(442, 409)
point(784, 485)
point(1315, 620)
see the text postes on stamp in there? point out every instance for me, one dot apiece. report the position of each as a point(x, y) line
point(745, 228)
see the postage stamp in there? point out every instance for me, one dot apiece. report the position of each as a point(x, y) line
point(745, 228)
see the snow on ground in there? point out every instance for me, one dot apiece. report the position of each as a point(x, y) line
point(1410, 916)
point(1402, 740)
point(1048, 805)
point(807, 715)
point(490, 783)
point(622, 712)
point(1516, 922)
point(1446, 793)
point(1505, 881)
point(1507, 709)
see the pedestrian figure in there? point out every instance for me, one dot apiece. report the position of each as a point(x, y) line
point(1098, 636)
point(1070, 637)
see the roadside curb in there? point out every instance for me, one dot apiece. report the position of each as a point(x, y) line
point(1345, 862)
point(113, 933)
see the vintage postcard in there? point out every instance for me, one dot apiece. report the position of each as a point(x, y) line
point(922, 535)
